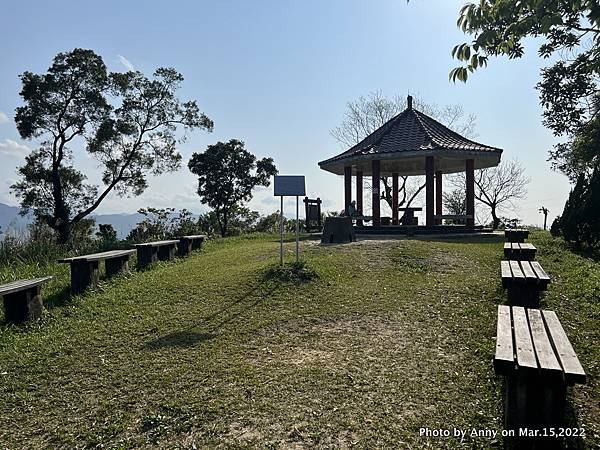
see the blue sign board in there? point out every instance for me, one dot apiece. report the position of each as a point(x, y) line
point(289, 185)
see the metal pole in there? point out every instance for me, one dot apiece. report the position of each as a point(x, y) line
point(281, 232)
point(297, 232)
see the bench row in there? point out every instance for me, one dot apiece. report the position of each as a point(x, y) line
point(22, 299)
point(533, 351)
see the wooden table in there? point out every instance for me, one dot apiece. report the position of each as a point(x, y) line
point(533, 352)
point(519, 251)
point(516, 235)
point(150, 252)
point(23, 299)
point(85, 270)
point(189, 243)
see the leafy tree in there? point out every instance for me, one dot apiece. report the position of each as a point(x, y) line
point(366, 114)
point(126, 121)
point(580, 222)
point(497, 187)
point(569, 90)
point(106, 233)
point(227, 174)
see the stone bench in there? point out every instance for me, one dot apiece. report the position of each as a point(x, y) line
point(519, 251)
point(189, 243)
point(150, 252)
point(533, 352)
point(85, 270)
point(516, 235)
point(23, 299)
point(524, 280)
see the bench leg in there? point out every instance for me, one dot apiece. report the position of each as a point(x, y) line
point(23, 306)
point(115, 266)
point(83, 275)
point(534, 403)
point(528, 297)
point(146, 256)
point(197, 244)
point(185, 247)
point(166, 252)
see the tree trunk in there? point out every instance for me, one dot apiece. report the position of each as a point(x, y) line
point(495, 219)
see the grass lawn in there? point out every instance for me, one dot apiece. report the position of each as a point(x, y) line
point(209, 351)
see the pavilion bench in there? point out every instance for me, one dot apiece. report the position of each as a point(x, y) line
point(85, 270)
point(519, 251)
point(524, 280)
point(454, 217)
point(538, 361)
point(23, 299)
point(516, 235)
point(150, 252)
point(189, 243)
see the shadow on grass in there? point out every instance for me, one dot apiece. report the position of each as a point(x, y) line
point(182, 339)
point(58, 299)
point(237, 308)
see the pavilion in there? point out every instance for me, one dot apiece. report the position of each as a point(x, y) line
point(412, 143)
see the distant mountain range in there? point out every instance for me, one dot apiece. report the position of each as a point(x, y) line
point(10, 220)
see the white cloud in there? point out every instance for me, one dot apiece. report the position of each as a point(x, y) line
point(126, 63)
point(13, 148)
point(3, 118)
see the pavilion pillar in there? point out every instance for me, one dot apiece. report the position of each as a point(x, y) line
point(470, 192)
point(375, 180)
point(438, 196)
point(359, 195)
point(429, 174)
point(394, 199)
point(347, 187)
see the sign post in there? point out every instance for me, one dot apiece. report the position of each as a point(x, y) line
point(289, 186)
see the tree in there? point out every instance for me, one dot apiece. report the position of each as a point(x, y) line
point(569, 90)
point(579, 222)
point(497, 187)
point(106, 233)
point(366, 114)
point(126, 121)
point(227, 174)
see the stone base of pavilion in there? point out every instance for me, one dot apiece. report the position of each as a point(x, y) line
point(403, 230)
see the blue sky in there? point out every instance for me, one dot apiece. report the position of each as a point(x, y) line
point(278, 75)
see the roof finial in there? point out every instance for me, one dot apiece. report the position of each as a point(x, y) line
point(409, 101)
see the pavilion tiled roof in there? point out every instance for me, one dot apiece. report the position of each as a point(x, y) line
point(411, 131)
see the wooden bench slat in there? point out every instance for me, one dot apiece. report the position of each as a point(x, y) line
point(98, 256)
point(504, 361)
point(572, 368)
point(197, 236)
point(506, 273)
point(515, 268)
point(530, 275)
point(541, 342)
point(157, 243)
point(524, 345)
point(21, 285)
point(541, 273)
point(527, 246)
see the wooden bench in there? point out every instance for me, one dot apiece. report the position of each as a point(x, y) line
point(85, 270)
point(516, 235)
point(23, 299)
point(150, 252)
point(524, 280)
point(189, 243)
point(519, 251)
point(538, 361)
point(453, 216)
